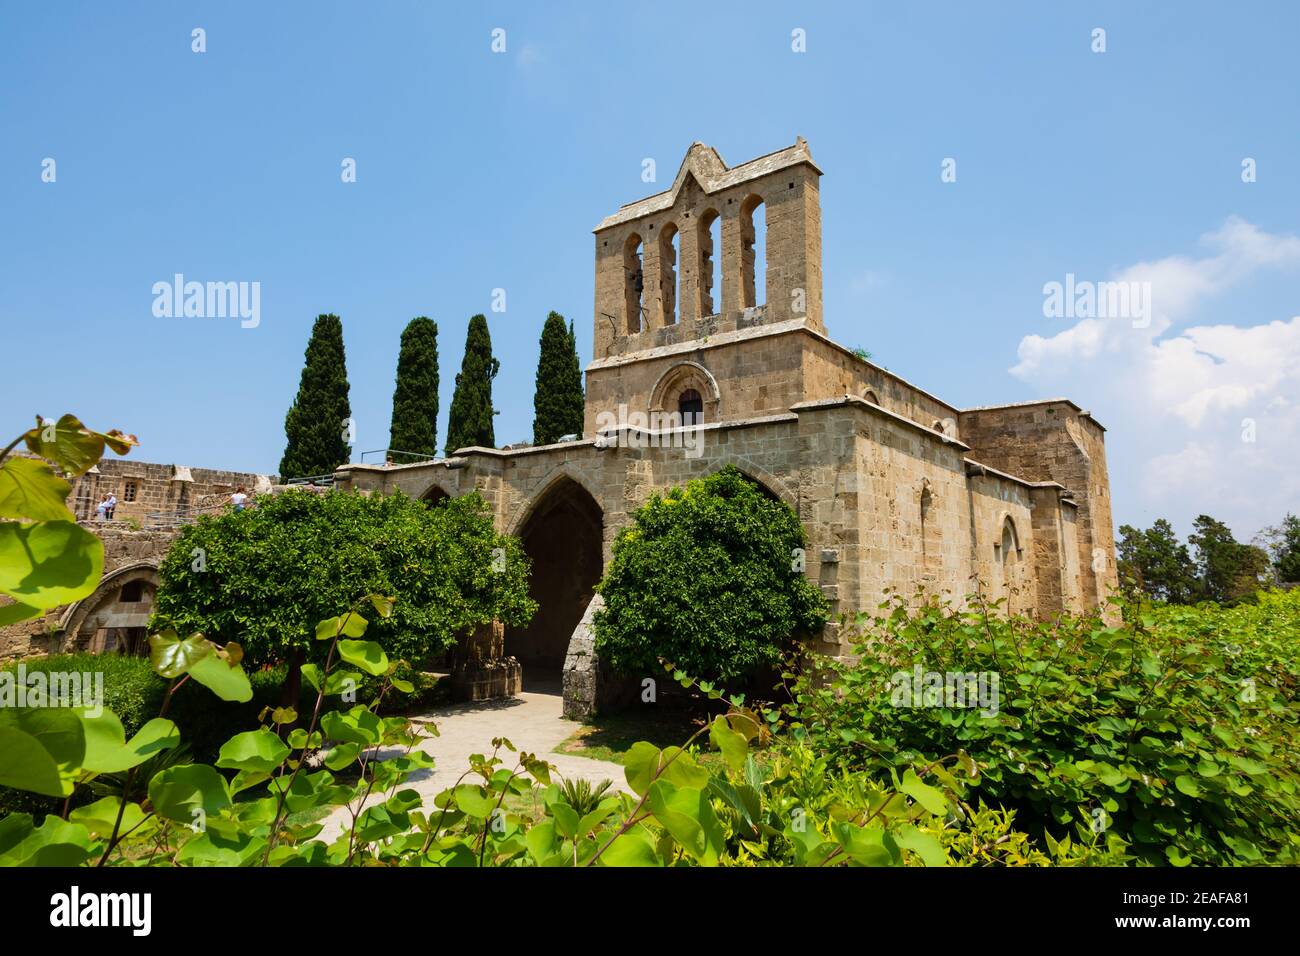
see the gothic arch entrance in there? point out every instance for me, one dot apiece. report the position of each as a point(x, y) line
point(112, 619)
point(562, 535)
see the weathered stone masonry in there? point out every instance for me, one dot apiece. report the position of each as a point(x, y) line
point(896, 489)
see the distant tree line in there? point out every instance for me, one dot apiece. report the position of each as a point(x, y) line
point(1212, 565)
point(318, 427)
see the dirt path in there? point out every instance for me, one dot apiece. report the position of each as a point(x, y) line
point(532, 721)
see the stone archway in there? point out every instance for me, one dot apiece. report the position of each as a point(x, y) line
point(562, 534)
point(435, 495)
point(113, 618)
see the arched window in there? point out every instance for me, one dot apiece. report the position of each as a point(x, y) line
point(753, 253)
point(870, 396)
point(669, 244)
point(690, 405)
point(1009, 548)
point(633, 282)
point(1010, 545)
point(708, 240)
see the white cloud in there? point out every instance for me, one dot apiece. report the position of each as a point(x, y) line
point(1185, 402)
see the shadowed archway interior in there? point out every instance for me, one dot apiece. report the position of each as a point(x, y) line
point(563, 538)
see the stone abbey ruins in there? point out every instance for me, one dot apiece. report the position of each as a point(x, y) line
point(895, 488)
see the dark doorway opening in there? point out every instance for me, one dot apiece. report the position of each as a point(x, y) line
point(563, 538)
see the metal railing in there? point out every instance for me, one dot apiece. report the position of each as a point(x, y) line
point(319, 481)
point(392, 454)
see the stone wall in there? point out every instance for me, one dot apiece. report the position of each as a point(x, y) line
point(124, 549)
point(1055, 440)
point(855, 474)
point(146, 488)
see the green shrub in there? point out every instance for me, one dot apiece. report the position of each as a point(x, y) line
point(1177, 730)
point(265, 576)
point(706, 577)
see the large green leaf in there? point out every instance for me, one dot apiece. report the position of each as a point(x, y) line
point(632, 848)
point(367, 655)
point(639, 766)
point(100, 817)
point(58, 732)
point(178, 791)
point(72, 446)
point(15, 612)
point(471, 800)
point(108, 751)
point(31, 491)
point(346, 625)
point(931, 798)
point(228, 681)
point(732, 744)
point(212, 848)
point(687, 814)
point(54, 843)
point(924, 845)
point(864, 845)
point(256, 750)
point(26, 765)
point(172, 657)
point(357, 726)
point(682, 770)
point(49, 563)
point(58, 729)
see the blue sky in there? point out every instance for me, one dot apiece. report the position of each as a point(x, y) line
point(478, 171)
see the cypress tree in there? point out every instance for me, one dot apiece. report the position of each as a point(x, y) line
point(318, 418)
point(415, 399)
point(470, 419)
point(557, 400)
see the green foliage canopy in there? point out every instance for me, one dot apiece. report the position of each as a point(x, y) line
point(1157, 563)
point(267, 574)
point(1227, 570)
point(707, 577)
point(1283, 544)
point(1176, 732)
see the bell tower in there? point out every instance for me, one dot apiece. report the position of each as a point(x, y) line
point(655, 257)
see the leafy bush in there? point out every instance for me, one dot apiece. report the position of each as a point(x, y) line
point(1142, 683)
point(135, 692)
point(1176, 731)
point(706, 577)
point(157, 808)
point(266, 575)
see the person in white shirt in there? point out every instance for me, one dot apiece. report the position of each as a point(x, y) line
point(112, 505)
point(239, 499)
point(101, 509)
